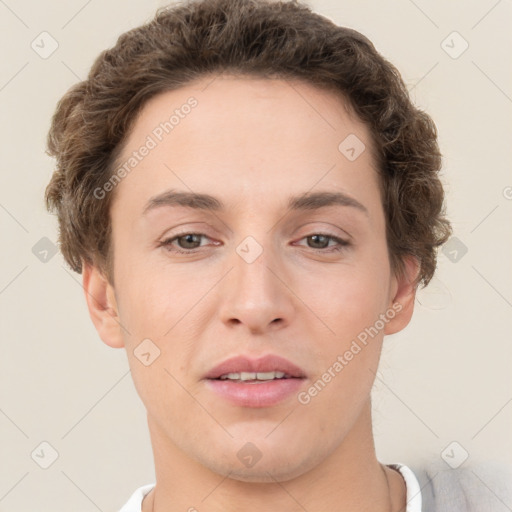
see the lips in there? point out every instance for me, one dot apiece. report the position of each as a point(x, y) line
point(268, 363)
point(257, 383)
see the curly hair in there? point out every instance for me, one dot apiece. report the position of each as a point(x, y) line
point(261, 38)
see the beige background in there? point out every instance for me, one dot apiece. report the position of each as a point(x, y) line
point(445, 379)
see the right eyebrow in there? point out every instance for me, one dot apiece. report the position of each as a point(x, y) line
point(186, 199)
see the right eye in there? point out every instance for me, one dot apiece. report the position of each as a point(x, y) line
point(185, 241)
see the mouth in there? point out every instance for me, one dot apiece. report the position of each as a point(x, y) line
point(254, 377)
point(263, 382)
point(245, 368)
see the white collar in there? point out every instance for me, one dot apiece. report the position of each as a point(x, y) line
point(413, 493)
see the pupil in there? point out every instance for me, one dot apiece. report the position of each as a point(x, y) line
point(316, 237)
point(188, 239)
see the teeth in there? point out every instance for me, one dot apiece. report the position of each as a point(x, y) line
point(233, 376)
point(253, 376)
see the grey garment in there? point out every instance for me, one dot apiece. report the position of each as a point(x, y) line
point(478, 487)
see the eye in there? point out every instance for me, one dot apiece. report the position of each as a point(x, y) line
point(321, 240)
point(187, 241)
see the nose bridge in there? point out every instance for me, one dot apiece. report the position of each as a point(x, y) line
point(253, 294)
point(252, 274)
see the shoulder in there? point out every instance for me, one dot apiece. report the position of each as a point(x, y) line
point(469, 488)
point(134, 504)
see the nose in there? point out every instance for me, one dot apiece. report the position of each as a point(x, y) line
point(255, 294)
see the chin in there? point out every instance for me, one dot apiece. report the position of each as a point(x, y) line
point(277, 468)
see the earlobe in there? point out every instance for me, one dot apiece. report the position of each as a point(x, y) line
point(101, 303)
point(403, 296)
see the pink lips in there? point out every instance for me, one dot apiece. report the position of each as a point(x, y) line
point(268, 363)
point(251, 393)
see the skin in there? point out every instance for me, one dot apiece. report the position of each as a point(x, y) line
point(252, 143)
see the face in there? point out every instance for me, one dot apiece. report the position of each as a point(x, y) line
point(280, 261)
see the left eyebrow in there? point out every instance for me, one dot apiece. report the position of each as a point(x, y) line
point(197, 201)
point(317, 200)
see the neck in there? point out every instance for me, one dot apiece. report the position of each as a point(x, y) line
point(351, 478)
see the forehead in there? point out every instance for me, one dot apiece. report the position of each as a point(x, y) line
point(246, 136)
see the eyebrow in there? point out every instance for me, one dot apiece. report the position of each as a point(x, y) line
point(197, 201)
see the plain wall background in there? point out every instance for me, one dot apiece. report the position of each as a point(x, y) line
point(445, 378)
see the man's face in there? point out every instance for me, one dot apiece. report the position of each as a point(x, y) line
point(256, 278)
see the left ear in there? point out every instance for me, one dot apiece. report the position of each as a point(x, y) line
point(403, 294)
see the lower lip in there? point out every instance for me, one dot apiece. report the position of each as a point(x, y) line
point(257, 394)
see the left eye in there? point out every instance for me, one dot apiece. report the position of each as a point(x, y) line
point(321, 238)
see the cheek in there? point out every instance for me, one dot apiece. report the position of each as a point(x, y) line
point(348, 357)
point(350, 305)
point(350, 299)
point(149, 304)
point(153, 311)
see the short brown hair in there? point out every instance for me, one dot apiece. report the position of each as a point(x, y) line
point(260, 38)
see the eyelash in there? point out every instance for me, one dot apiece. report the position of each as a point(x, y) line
point(342, 244)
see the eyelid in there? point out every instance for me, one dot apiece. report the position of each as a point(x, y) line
point(325, 234)
point(319, 230)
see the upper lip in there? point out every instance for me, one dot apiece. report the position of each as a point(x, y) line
point(268, 363)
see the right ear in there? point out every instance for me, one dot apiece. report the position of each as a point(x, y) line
point(102, 305)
